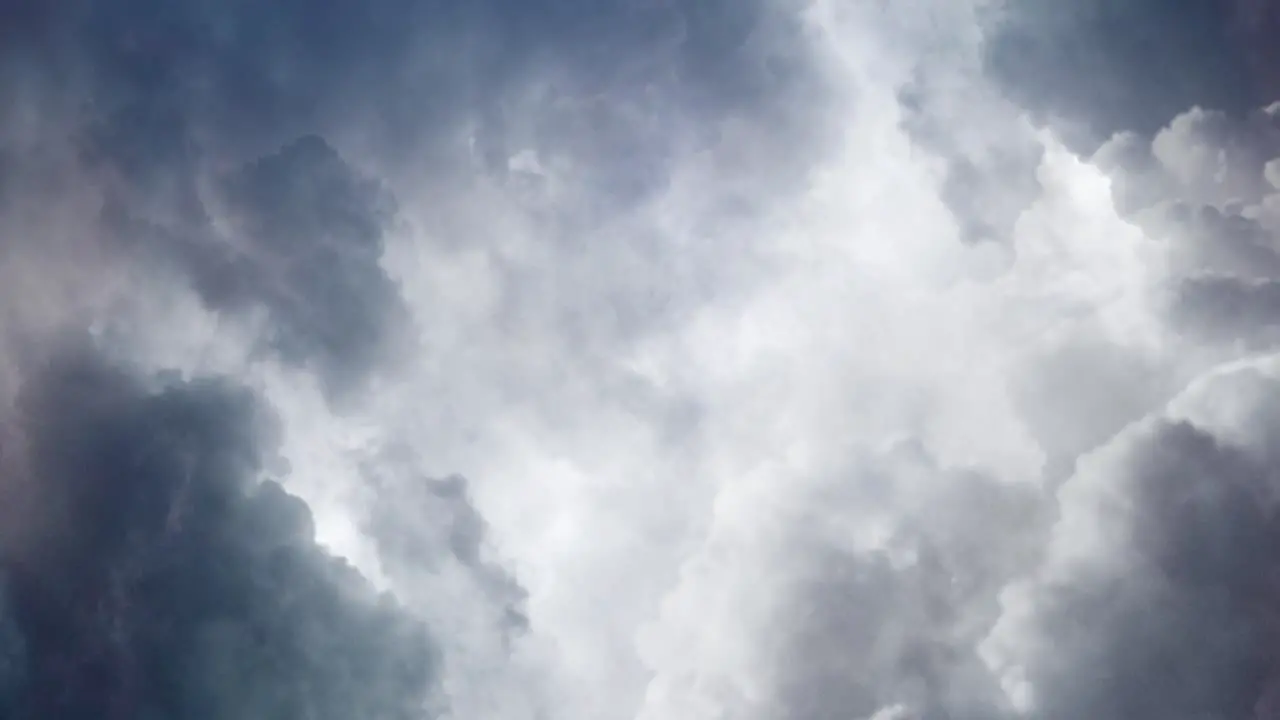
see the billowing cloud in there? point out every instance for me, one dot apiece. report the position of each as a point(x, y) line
point(152, 568)
point(296, 235)
point(897, 624)
point(802, 359)
point(1156, 598)
point(1202, 188)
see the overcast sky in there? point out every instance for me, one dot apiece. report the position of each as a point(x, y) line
point(639, 360)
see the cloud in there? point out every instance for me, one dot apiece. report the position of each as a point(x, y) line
point(150, 568)
point(391, 76)
point(297, 235)
point(1155, 598)
point(1104, 312)
point(211, 185)
point(897, 624)
point(422, 516)
point(1094, 68)
point(174, 108)
point(1152, 598)
point(781, 345)
point(1200, 187)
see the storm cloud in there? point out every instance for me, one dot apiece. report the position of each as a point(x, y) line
point(153, 568)
point(1099, 68)
point(1157, 597)
point(638, 360)
point(303, 242)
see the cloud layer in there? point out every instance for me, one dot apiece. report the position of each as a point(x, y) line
point(150, 571)
point(638, 360)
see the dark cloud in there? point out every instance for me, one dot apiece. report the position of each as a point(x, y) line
point(1178, 621)
point(1255, 25)
point(624, 89)
point(149, 571)
point(150, 574)
point(1096, 68)
point(243, 77)
point(897, 626)
point(314, 230)
point(300, 236)
point(317, 229)
point(165, 100)
point(1168, 612)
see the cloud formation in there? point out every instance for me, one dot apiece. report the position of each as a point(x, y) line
point(1156, 597)
point(152, 571)
point(298, 236)
point(1101, 68)
point(638, 360)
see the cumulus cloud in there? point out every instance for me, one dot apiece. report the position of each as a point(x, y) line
point(1200, 186)
point(639, 360)
point(896, 624)
point(1133, 273)
point(151, 570)
point(208, 189)
point(1156, 598)
point(1153, 598)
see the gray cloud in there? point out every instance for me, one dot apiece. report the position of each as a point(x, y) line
point(1205, 156)
point(652, 310)
point(151, 572)
point(166, 100)
point(1153, 598)
point(246, 151)
point(241, 78)
point(1167, 616)
point(1170, 613)
point(897, 626)
point(1096, 68)
point(1201, 188)
point(299, 235)
point(1227, 309)
point(420, 523)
